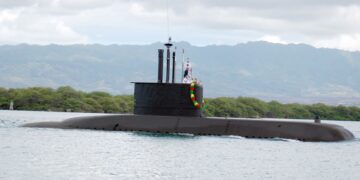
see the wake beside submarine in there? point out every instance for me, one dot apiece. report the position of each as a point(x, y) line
point(164, 107)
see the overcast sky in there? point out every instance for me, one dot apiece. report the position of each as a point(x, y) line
point(321, 23)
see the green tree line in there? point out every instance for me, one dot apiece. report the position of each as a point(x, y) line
point(64, 99)
point(252, 107)
point(69, 99)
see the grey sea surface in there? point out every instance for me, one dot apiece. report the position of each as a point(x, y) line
point(36, 153)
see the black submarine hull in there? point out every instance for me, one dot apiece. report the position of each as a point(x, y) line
point(251, 128)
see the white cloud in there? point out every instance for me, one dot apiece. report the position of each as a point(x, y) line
point(323, 23)
point(344, 41)
point(6, 16)
point(273, 39)
point(27, 25)
point(83, 4)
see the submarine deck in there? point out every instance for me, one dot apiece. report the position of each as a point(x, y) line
point(246, 127)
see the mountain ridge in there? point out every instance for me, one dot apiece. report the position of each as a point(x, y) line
point(288, 73)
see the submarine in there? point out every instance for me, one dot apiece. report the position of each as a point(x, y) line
point(170, 107)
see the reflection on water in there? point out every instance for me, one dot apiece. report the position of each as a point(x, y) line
point(35, 153)
point(165, 135)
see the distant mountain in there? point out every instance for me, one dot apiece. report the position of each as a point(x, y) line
point(288, 73)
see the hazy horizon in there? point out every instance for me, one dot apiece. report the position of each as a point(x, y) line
point(175, 42)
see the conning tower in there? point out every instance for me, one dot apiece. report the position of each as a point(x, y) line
point(166, 98)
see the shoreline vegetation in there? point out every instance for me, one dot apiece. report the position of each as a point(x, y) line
point(68, 99)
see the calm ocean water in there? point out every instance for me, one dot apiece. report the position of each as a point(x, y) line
point(34, 153)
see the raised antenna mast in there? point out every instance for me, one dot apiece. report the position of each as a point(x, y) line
point(167, 18)
point(168, 46)
point(182, 65)
point(174, 65)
